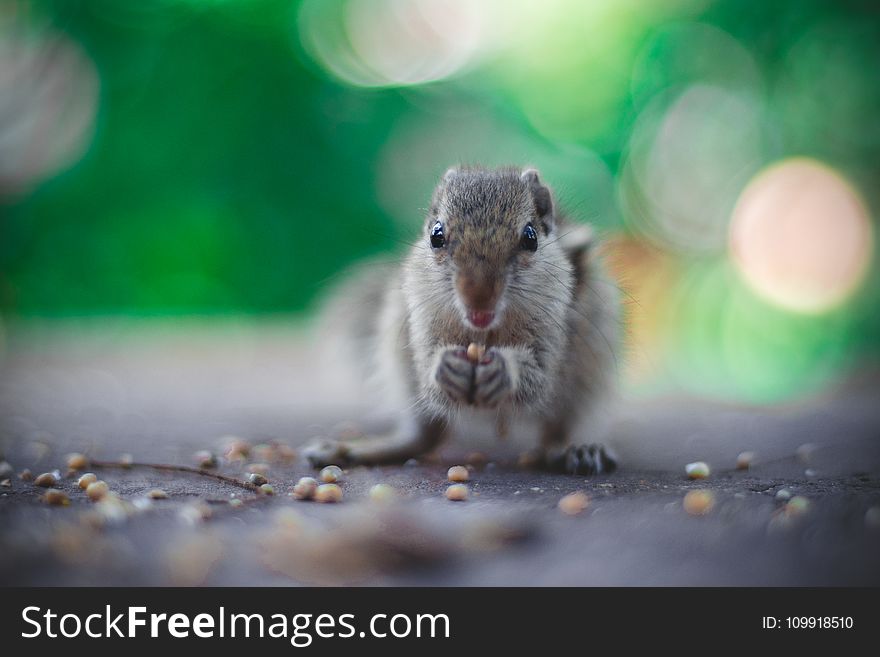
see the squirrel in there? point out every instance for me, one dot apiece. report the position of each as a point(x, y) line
point(497, 265)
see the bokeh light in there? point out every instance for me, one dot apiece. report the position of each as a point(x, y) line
point(801, 236)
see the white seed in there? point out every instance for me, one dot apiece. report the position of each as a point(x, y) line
point(328, 493)
point(267, 489)
point(86, 479)
point(331, 474)
point(257, 479)
point(97, 490)
point(783, 494)
point(382, 493)
point(475, 352)
point(46, 480)
point(56, 497)
point(458, 473)
point(6, 483)
point(573, 503)
point(699, 502)
point(305, 489)
point(157, 494)
point(697, 470)
point(457, 492)
point(77, 461)
point(744, 460)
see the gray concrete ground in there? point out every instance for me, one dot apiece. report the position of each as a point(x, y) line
point(163, 394)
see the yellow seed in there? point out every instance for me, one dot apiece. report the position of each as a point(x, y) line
point(88, 478)
point(305, 489)
point(573, 503)
point(477, 459)
point(475, 352)
point(698, 470)
point(157, 494)
point(77, 461)
point(46, 480)
point(97, 490)
point(457, 492)
point(699, 502)
point(56, 497)
point(382, 493)
point(529, 460)
point(458, 473)
point(744, 460)
point(328, 493)
point(331, 474)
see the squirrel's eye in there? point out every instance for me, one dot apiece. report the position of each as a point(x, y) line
point(529, 239)
point(438, 240)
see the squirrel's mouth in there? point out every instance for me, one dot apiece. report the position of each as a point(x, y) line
point(481, 319)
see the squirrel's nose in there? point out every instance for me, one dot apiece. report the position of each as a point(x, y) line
point(479, 292)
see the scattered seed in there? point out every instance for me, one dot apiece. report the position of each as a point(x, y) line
point(126, 460)
point(457, 492)
point(235, 502)
point(236, 450)
point(6, 483)
point(698, 502)
point(331, 474)
point(382, 493)
point(697, 470)
point(285, 454)
point(6, 469)
point(267, 489)
point(475, 352)
point(305, 489)
point(328, 493)
point(157, 494)
point(573, 503)
point(205, 459)
point(529, 460)
point(77, 461)
point(257, 479)
point(259, 468)
point(97, 490)
point(26, 475)
point(46, 480)
point(805, 452)
point(476, 459)
point(783, 494)
point(86, 479)
point(56, 497)
point(810, 472)
point(744, 460)
point(458, 473)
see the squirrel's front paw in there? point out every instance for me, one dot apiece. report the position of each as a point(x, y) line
point(455, 375)
point(492, 382)
point(326, 451)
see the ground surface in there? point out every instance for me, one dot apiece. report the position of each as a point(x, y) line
point(110, 391)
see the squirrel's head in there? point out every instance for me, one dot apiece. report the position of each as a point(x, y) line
point(492, 232)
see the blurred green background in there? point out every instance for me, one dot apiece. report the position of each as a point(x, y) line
point(229, 157)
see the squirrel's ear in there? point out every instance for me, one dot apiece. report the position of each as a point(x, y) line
point(440, 190)
point(451, 172)
point(540, 195)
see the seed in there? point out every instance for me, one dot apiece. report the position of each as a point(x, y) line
point(475, 352)
point(744, 460)
point(126, 460)
point(698, 502)
point(382, 493)
point(235, 502)
point(77, 461)
point(529, 460)
point(805, 452)
point(476, 459)
point(573, 503)
point(328, 493)
point(46, 480)
point(6, 469)
point(56, 497)
point(697, 470)
point(157, 494)
point(205, 459)
point(782, 494)
point(285, 454)
point(26, 475)
point(457, 492)
point(458, 473)
point(305, 489)
point(331, 474)
point(259, 468)
point(6, 483)
point(88, 478)
point(267, 489)
point(97, 490)
point(236, 450)
point(257, 479)
point(797, 505)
